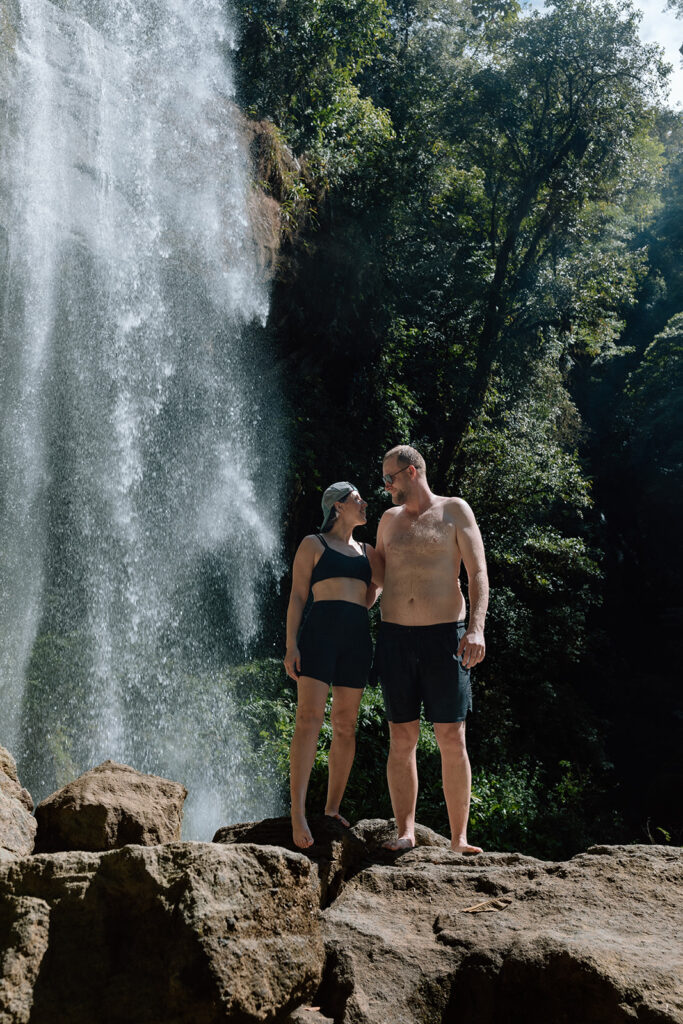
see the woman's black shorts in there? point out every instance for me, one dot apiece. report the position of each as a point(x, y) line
point(335, 644)
point(420, 665)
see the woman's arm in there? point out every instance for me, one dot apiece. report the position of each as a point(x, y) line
point(377, 581)
point(302, 569)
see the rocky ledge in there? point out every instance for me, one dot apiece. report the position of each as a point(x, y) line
point(245, 929)
point(433, 936)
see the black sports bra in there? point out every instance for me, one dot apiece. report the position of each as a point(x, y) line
point(332, 564)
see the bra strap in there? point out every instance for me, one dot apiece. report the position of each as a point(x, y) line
point(322, 540)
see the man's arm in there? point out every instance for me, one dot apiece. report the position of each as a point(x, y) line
point(472, 646)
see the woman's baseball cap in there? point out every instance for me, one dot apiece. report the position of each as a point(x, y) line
point(335, 492)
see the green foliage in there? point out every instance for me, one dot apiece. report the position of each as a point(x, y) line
point(550, 814)
point(529, 179)
point(653, 423)
point(298, 64)
point(532, 502)
point(655, 394)
point(518, 806)
point(489, 213)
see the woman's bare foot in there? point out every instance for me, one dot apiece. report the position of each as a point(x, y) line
point(402, 843)
point(338, 817)
point(301, 833)
point(464, 847)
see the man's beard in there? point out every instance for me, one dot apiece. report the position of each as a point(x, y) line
point(398, 497)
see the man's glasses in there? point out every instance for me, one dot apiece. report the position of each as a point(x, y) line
point(389, 478)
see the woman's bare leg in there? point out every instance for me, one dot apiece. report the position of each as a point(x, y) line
point(310, 712)
point(345, 704)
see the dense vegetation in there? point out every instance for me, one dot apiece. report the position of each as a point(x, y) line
point(483, 257)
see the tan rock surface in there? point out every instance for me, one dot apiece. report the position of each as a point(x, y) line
point(589, 941)
point(8, 764)
point(16, 791)
point(24, 929)
point(337, 852)
point(17, 824)
point(198, 933)
point(9, 780)
point(108, 807)
point(308, 1015)
point(186, 932)
point(434, 937)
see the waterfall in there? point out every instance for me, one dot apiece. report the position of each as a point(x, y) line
point(140, 451)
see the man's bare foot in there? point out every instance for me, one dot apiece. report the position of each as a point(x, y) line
point(301, 833)
point(338, 817)
point(465, 847)
point(402, 843)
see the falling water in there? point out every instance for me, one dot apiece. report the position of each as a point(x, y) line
point(139, 448)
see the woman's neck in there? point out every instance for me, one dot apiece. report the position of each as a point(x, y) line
point(342, 533)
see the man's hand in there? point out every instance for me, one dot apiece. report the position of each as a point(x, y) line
point(472, 647)
point(292, 661)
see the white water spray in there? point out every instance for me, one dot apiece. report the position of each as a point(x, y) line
point(138, 465)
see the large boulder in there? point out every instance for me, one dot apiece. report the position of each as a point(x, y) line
point(430, 936)
point(507, 939)
point(17, 824)
point(336, 853)
point(186, 933)
point(108, 807)
point(199, 933)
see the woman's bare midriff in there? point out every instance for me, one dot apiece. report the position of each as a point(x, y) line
point(340, 588)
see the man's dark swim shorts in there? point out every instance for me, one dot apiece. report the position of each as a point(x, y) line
point(335, 644)
point(420, 664)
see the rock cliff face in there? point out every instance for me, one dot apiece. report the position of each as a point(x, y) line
point(17, 824)
point(190, 932)
point(432, 936)
point(245, 929)
point(108, 807)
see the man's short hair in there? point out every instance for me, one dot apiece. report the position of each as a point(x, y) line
point(408, 456)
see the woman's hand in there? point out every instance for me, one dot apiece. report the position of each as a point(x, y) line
point(292, 662)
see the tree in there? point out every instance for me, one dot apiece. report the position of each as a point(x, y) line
point(654, 405)
point(298, 62)
point(549, 124)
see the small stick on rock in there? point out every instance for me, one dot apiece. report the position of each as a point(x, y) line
point(498, 903)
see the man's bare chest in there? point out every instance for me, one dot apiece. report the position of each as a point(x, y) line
point(421, 537)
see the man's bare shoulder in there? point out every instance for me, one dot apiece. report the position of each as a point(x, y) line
point(458, 511)
point(389, 514)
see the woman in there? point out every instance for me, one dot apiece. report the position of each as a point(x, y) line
point(334, 646)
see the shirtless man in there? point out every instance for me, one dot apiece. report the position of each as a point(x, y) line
point(424, 650)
